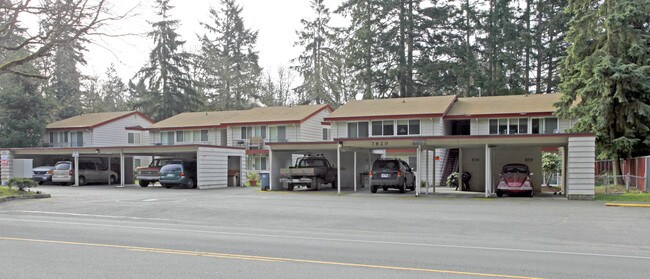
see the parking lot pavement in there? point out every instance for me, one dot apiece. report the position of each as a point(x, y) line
point(244, 232)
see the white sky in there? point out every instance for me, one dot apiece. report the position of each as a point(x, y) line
point(275, 20)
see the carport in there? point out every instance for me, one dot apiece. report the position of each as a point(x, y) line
point(484, 155)
point(212, 161)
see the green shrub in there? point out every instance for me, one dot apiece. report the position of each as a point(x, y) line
point(22, 183)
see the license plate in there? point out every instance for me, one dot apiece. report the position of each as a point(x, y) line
point(385, 175)
point(170, 175)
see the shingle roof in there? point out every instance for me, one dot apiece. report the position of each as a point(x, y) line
point(277, 114)
point(197, 119)
point(89, 120)
point(511, 104)
point(235, 117)
point(436, 105)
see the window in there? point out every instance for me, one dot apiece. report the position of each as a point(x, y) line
point(494, 126)
point(513, 127)
point(550, 126)
point(65, 136)
point(133, 138)
point(196, 136)
point(244, 132)
point(77, 139)
point(523, 125)
point(204, 135)
point(278, 133)
point(167, 138)
point(389, 129)
point(408, 127)
point(377, 128)
point(503, 126)
point(187, 136)
point(402, 127)
point(414, 127)
point(257, 163)
point(179, 136)
point(535, 127)
point(51, 137)
point(326, 133)
point(357, 129)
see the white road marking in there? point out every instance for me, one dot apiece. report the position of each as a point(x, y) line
point(149, 200)
point(343, 240)
point(92, 215)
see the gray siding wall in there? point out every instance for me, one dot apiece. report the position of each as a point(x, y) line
point(212, 166)
point(114, 133)
point(312, 129)
point(581, 157)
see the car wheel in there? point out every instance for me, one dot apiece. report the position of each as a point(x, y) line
point(402, 188)
point(373, 189)
point(143, 183)
point(290, 187)
point(316, 184)
point(41, 182)
point(166, 186)
point(412, 187)
point(190, 184)
point(499, 193)
point(113, 179)
point(334, 184)
point(82, 180)
point(530, 194)
point(384, 188)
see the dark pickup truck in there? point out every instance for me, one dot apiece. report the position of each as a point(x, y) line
point(310, 171)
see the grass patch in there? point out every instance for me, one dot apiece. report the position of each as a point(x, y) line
point(7, 192)
point(631, 197)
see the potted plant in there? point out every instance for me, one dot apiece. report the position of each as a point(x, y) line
point(252, 177)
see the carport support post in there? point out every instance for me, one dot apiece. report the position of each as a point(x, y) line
point(121, 169)
point(488, 170)
point(76, 171)
point(419, 176)
point(426, 171)
point(460, 169)
point(109, 170)
point(355, 171)
point(338, 168)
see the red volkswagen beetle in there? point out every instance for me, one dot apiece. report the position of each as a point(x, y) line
point(515, 178)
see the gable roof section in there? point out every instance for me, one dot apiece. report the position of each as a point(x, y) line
point(510, 105)
point(277, 115)
point(204, 119)
point(435, 106)
point(93, 120)
point(254, 116)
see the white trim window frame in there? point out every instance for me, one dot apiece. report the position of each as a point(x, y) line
point(359, 132)
point(404, 127)
point(384, 125)
point(509, 126)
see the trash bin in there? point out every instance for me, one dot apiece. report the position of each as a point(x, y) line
point(265, 179)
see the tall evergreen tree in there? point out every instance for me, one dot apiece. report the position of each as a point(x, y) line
point(606, 75)
point(230, 61)
point(315, 63)
point(168, 87)
point(22, 111)
point(114, 91)
point(65, 83)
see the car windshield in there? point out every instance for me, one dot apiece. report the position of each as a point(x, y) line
point(162, 162)
point(311, 163)
point(515, 169)
point(62, 166)
point(385, 165)
point(171, 168)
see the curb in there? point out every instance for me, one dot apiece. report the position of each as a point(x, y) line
point(25, 197)
point(627, 204)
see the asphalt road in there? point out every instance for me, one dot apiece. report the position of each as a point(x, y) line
point(106, 232)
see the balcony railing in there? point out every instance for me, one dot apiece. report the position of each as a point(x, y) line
point(256, 143)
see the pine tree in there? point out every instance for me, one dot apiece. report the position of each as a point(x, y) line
point(168, 87)
point(606, 75)
point(65, 82)
point(315, 63)
point(114, 91)
point(230, 61)
point(22, 111)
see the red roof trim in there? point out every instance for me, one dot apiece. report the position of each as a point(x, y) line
point(187, 128)
point(257, 151)
point(326, 123)
point(103, 123)
point(135, 128)
point(384, 117)
point(500, 115)
point(93, 148)
point(328, 107)
point(470, 137)
point(259, 123)
point(451, 104)
point(301, 142)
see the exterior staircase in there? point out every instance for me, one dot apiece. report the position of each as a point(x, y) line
point(450, 165)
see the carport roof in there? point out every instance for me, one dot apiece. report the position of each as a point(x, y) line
point(116, 150)
point(435, 106)
point(432, 142)
point(92, 120)
point(476, 107)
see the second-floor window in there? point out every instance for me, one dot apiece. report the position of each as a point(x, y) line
point(192, 136)
point(326, 134)
point(357, 129)
point(383, 128)
point(278, 133)
point(77, 139)
point(408, 127)
point(512, 126)
point(253, 131)
point(167, 138)
point(134, 138)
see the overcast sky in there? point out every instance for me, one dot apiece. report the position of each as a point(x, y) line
point(276, 22)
